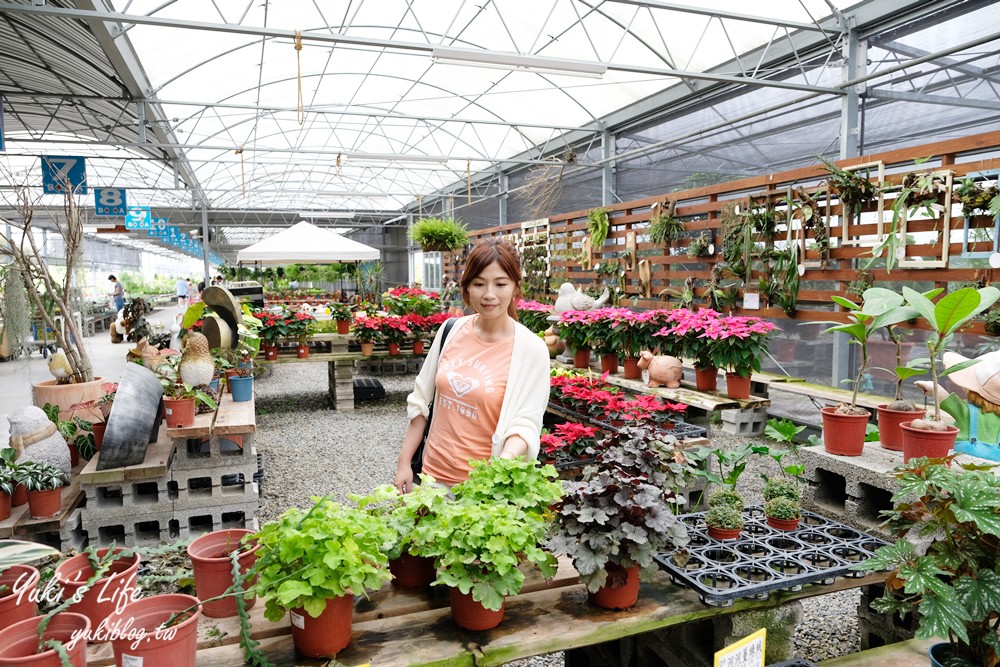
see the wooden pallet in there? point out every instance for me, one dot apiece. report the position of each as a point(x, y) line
point(20, 524)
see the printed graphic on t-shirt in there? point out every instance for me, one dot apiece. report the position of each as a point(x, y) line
point(468, 379)
point(460, 384)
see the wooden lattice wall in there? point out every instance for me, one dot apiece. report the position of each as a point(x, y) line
point(572, 259)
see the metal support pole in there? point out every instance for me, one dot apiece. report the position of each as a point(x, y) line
point(608, 168)
point(204, 246)
point(502, 200)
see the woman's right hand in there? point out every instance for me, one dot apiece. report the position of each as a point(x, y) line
point(404, 479)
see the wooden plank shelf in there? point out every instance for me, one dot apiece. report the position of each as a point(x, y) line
point(155, 465)
point(20, 524)
point(912, 653)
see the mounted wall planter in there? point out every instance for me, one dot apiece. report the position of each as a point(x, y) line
point(843, 435)
point(932, 444)
point(889, 434)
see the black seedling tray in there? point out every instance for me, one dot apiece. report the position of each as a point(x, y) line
point(764, 559)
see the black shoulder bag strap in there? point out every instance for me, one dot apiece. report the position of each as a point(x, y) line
point(417, 462)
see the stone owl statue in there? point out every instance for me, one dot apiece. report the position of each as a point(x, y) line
point(196, 366)
point(570, 298)
point(35, 438)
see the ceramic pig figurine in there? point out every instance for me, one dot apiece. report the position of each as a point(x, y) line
point(662, 370)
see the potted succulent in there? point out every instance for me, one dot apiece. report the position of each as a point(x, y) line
point(312, 563)
point(342, 314)
point(367, 331)
point(782, 503)
point(576, 329)
point(932, 437)
point(724, 522)
point(622, 513)
point(945, 563)
point(439, 234)
point(43, 483)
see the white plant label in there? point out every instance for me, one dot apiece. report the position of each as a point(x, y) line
point(751, 301)
point(131, 660)
point(298, 620)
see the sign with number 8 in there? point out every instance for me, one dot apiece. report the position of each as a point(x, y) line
point(110, 202)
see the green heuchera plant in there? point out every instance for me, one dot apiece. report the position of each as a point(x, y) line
point(402, 513)
point(783, 508)
point(307, 558)
point(623, 512)
point(725, 517)
point(518, 482)
point(478, 547)
point(947, 562)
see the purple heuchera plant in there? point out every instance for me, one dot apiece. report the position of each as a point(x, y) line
point(625, 510)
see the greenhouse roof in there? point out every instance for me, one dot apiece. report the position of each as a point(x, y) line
point(366, 110)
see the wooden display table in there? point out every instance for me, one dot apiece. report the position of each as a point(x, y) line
point(912, 653)
point(20, 525)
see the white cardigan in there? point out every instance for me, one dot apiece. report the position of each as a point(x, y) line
point(524, 399)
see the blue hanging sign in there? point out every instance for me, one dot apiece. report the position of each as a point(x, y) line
point(58, 172)
point(159, 227)
point(138, 217)
point(109, 202)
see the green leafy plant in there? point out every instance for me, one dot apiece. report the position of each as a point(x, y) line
point(341, 311)
point(41, 476)
point(782, 430)
point(945, 318)
point(853, 188)
point(307, 558)
point(403, 513)
point(726, 497)
point(725, 517)
point(76, 431)
point(978, 196)
point(879, 298)
point(947, 516)
point(439, 234)
point(783, 508)
point(624, 510)
point(699, 246)
point(724, 467)
point(781, 487)
point(515, 481)
point(598, 224)
point(663, 226)
point(174, 389)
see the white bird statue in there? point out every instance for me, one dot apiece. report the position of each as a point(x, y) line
point(60, 368)
point(570, 298)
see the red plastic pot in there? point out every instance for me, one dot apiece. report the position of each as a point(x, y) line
point(609, 363)
point(581, 358)
point(231, 373)
point(706, 379)
point(724, 533)
point(179, 412)
point(343, 327)
point(302, 351)
point(621, 590)
point(20, 496)
point(140, 639)
point(213, 571)
point(115, 589)
point(783, 524)
point(844, 435)
point(737, 386)
point(889, 434)
point(18, 600)
point(74, 454)
point(632, 370)
point(393, 349)
point(98, 428)
point(932, 444)
point(5, 505)
point(412, 571)
point(418, 347)
point(19, 642)
point(43, 504)
point(327, 634)
point(271, 352)
point(471, 615)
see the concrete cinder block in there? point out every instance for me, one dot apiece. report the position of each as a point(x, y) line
point(214, 452)
point(181, 480)
point(744, 422)
point(217, 517)
point(217, 495)
point(126, 494)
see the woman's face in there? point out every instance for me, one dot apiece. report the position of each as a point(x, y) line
point(491, 292)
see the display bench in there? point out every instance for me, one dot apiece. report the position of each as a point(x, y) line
point(398, 627)
point(61, 531)
point(912, 653)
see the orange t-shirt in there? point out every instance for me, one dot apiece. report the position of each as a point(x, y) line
point(469, 388)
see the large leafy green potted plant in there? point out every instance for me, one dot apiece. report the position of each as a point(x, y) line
point(945, 563)
point(341, 313)
point(932, 437)
point(576, 328)
point(311, 564)
point(439, 234)
point(622, 513)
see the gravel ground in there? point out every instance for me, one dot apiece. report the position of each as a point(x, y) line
point(310, 450)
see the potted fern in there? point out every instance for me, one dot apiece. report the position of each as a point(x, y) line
point(598, 224)
point(439, 234)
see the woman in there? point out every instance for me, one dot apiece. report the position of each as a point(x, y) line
point(490, 384)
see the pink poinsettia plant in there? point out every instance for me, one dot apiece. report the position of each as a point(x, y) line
point(685, 331)
point(533, 314)
point(577, 329)
point(738, 342)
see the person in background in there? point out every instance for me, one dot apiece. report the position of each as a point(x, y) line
point(490, 383)
point(182, 293)
point(117, 292)
point(201, 286)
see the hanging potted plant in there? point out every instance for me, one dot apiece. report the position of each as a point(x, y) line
point(211, 562)
point(311, 564)
point(342, 314)
point(367, 331)
point(737, 344)
point(576, 329)
point(439, 234)
point(598, 224)
point(944, 564)
point(622, 514)
point(782, 503)
point(43, 483)
point(932, 437)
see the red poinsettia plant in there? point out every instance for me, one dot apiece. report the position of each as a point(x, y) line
point(273, 326)
point(299, 325)
point(368, 330)
point(394, 328)
point(403, 301)
point(570, 441)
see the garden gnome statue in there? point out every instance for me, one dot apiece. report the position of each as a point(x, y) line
point(977, 416)
point(661, 370)
point(35, 438)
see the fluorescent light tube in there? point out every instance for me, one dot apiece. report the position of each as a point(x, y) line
point(517, 61)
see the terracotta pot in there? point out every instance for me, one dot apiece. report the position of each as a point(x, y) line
point(19, 642)
point(706, 379)
point(179, 412)
point(43, 504)
point(5, 506)
point(367, 349)
point(20, 496)
point(737, 386)
point(724, 533)
point(932, 444)
point(393, 349)
point(302, 351)
point(230, 374)
point(412, 571)
point(113, 590)
point(175, 646)
point(418, 347)
point(98, 428)
point(843, 435)
point(609, 363)
point(783, 524)
point(18, 601)
point(343, 327)
point(326, 635)
point(632, 370)
point(471, 615)
point(890, 435)
point(621, 590)
point(581, 358)
point(213, 570)
point(65, 395)
point(271, 352)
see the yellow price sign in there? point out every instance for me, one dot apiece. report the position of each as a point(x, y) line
point(747, 652)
